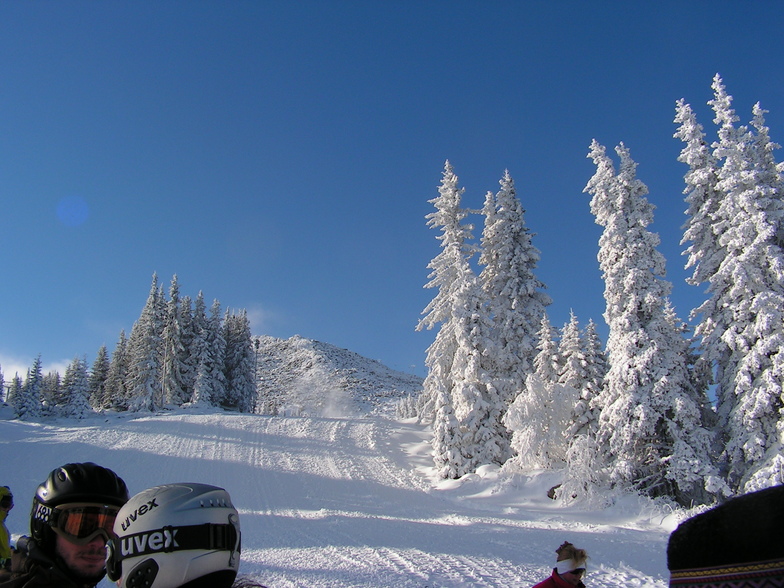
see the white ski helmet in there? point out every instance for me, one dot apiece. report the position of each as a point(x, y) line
point(176, 535)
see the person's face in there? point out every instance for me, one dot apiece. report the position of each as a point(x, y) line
point(86, 561)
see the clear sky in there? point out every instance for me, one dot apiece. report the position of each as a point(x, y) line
point(279, 156)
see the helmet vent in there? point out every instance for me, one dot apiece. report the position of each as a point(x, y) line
point(143, 575)
point(217, 502)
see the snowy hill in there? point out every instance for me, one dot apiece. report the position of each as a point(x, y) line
point(347, 502)
point(300, 376)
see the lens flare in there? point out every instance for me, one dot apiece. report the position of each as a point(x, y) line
point(72, 211)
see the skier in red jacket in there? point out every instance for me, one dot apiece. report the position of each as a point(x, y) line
point(569, 568)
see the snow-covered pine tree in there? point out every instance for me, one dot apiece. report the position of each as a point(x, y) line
point(51, 393)
point(572, 365)
point(547, 361)
point(517, 300)
point(173, 351)
point(188, 335)
point(762, 370)
point(97, 379)
point(450, 273)
point(27, 403)
point(143, 381)
point(217, 344)
point(14, 394)
point(115, 390)
point(196, 344)
point(199, 313)
point(702, 196)
point(202, 385)
point(585, 475)
point(200, 349)
point(586, 412)
point(478, 406)
point(702, 232)
point(715, 317)
point(211, 379)
point(76, 390)
point(650, 425)
point(448, 270)
point(539, 416)
point(742, 321)
point(238, 362)
point(575, 372)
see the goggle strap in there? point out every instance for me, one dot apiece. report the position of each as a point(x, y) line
point(209, 536)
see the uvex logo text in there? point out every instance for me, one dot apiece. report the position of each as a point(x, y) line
point(42, 513)
point(140, 511)
point(143, 543)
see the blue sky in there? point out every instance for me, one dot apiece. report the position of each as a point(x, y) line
point(279, 156)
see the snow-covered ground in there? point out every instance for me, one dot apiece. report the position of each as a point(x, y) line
point(327, 502)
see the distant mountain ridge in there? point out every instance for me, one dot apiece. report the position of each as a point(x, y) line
point(299, 376)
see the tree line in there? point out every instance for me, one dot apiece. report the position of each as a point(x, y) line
point(177, 354)
point(505, 387)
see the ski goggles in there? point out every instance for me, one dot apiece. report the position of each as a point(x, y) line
point(7, 501)
point(81, 523)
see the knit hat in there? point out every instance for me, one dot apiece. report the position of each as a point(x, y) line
point(739, 543)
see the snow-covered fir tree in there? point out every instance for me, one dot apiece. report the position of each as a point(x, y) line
point(650, 425)
point(76, 390)
point(14, 394)
point(702, 197)
point(173, 351)
point(97, 379)
point(585, 472)
point(478, 405)
point(115, 390)
point(238, 362)
point(210, 386)
point(539, 417)
point(202, 385)
point(188, 334)
point(200, 390)
point(517, 300)
point(143, 380)
point(547, 361)
point(452, 275)
point(741, 321)
point(585, 419)
point(51, 393)
point(217, 343)
point(572, 362)
point(27, 403)
point(576, 371)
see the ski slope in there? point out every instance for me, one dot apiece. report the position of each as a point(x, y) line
point(333, 502)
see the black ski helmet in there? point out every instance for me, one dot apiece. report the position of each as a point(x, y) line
point(73, 483)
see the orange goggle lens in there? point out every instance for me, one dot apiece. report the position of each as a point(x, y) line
point(81, 523)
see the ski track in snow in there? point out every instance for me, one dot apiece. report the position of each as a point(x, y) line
point(335, 502)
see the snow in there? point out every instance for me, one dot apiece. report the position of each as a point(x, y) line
point(328, 502)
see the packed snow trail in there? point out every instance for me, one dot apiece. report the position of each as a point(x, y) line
point(341, 502)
